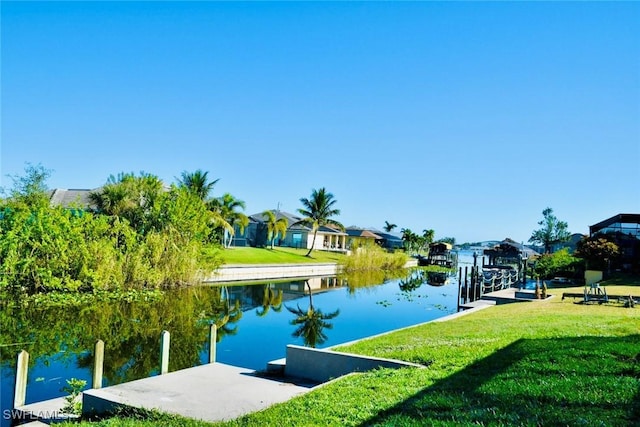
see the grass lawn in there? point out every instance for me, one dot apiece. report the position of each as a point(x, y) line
point(537, 363)
point(278, 255)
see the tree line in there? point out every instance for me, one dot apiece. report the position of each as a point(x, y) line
point(139, 233)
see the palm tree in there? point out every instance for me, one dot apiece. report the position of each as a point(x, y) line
point(198, 183)
point(131, 197)
point(389, 227)
point(311, 322)
point(270, 299)
point(275, 226)
point(427, 238)
point(318, 211)
point(225, 208)
point(409, 238)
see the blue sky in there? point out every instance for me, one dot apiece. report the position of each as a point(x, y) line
point(468, 118)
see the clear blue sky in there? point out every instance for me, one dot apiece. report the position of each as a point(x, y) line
point(468, 118)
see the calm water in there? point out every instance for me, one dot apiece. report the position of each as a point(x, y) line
point(254, 327)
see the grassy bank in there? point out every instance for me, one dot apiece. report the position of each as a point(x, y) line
point(278, 255)
point(550, 362)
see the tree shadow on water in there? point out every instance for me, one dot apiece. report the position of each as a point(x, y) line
point(539, 382)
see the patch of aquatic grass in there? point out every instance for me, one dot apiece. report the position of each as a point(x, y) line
point(372, 257)
point(279, 255)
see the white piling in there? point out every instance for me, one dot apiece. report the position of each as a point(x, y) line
point(98, 364)
point(22, 370)
point(213, 334)
point(164, 352)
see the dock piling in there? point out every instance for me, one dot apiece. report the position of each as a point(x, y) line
point(22, 369)
point(164, 352)
point(213, 336)
point(98, 364)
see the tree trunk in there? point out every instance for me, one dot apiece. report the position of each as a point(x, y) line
point(313, 242)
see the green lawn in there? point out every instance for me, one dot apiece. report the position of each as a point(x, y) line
point(538, 363)
point(278, 255)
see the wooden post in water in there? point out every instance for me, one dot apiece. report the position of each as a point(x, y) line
point(98, 364)
point(466, 286)
point(459, 286)
point(213, 336)
point(164, 352)
point(22, 369)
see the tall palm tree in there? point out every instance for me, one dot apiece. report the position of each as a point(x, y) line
point(198, 183)
point(388, 227)
point(275, 226)
point(311, 322)
point(317, 212)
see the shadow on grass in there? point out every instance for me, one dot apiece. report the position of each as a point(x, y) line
point(564, 381)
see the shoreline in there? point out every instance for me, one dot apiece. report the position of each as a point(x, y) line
point(251, 272)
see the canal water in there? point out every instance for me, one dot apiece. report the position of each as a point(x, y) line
point(255, 324)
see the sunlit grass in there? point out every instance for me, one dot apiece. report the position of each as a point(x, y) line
point(552, 362)
point(278, 255)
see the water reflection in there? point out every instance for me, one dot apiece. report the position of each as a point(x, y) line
point(60, 339)
point(271, 299)
point(311, 322)
point(412, 281)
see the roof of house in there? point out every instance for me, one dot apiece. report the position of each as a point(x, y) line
point(295, 223)
point(71, 197)
point(512, 247)
point(619, 218)
point(387, 236)
point(291, 218)
point(361, 232)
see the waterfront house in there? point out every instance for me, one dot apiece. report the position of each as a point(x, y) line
point(624, 231)
point(298, 234)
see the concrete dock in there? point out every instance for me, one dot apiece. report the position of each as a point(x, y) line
point(212, 392)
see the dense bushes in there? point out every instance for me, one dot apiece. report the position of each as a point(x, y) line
point(155, 239)
point(559, 263)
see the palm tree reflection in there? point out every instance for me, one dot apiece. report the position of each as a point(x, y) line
point(227, 315)
point(311, 322)
point(413, 281)
point(271, 299)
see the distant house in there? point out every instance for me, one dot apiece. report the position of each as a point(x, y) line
point(361, 237)
point(570, 244)
point(389, 241)
point(624, 230)
point(72, 198)
point(298, 235)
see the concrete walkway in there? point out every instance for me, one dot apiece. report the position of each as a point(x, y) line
point(212, 392)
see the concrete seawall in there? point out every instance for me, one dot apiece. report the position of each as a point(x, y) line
point(249, 272)
point(246, 272)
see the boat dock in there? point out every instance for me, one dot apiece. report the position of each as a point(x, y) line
point(211, 392)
